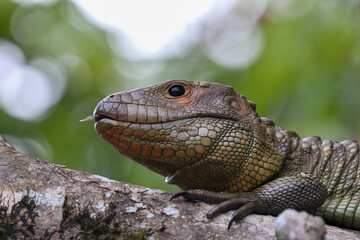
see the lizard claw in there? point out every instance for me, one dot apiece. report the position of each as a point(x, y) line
point(187, 194)
point(179, 194)
point(242, 212)
point(231, 221)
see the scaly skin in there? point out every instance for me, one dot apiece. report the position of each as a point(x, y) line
point(209, 140)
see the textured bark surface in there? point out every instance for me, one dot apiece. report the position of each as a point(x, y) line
point(39, 199)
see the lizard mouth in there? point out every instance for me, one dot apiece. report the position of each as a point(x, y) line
point(97, 118)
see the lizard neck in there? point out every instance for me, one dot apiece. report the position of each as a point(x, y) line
point(243, 160)
point(287, 144)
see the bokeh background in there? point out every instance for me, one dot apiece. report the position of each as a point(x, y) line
point(299, 60)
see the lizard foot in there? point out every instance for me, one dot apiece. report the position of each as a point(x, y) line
point(301, 191)
point(243, 203)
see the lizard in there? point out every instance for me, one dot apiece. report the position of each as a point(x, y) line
point(209, 140)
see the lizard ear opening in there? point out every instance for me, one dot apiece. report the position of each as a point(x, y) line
point(234, 104)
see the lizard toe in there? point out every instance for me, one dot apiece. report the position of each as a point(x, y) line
point(239, 202)
point(242, 212)
point(204, 196)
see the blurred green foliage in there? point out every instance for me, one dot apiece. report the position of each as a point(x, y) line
point(307, 79)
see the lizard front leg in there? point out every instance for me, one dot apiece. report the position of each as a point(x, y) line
point(301, 191)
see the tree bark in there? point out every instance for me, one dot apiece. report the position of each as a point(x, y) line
point(41, 200)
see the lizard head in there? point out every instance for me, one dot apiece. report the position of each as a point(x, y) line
point(197, 134)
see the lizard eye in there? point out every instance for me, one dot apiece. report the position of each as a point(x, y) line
point(176, 91)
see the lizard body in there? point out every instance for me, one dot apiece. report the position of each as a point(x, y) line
point(209, 140)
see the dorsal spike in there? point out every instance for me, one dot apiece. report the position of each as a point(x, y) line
point(267, 121)
point(252, 105)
